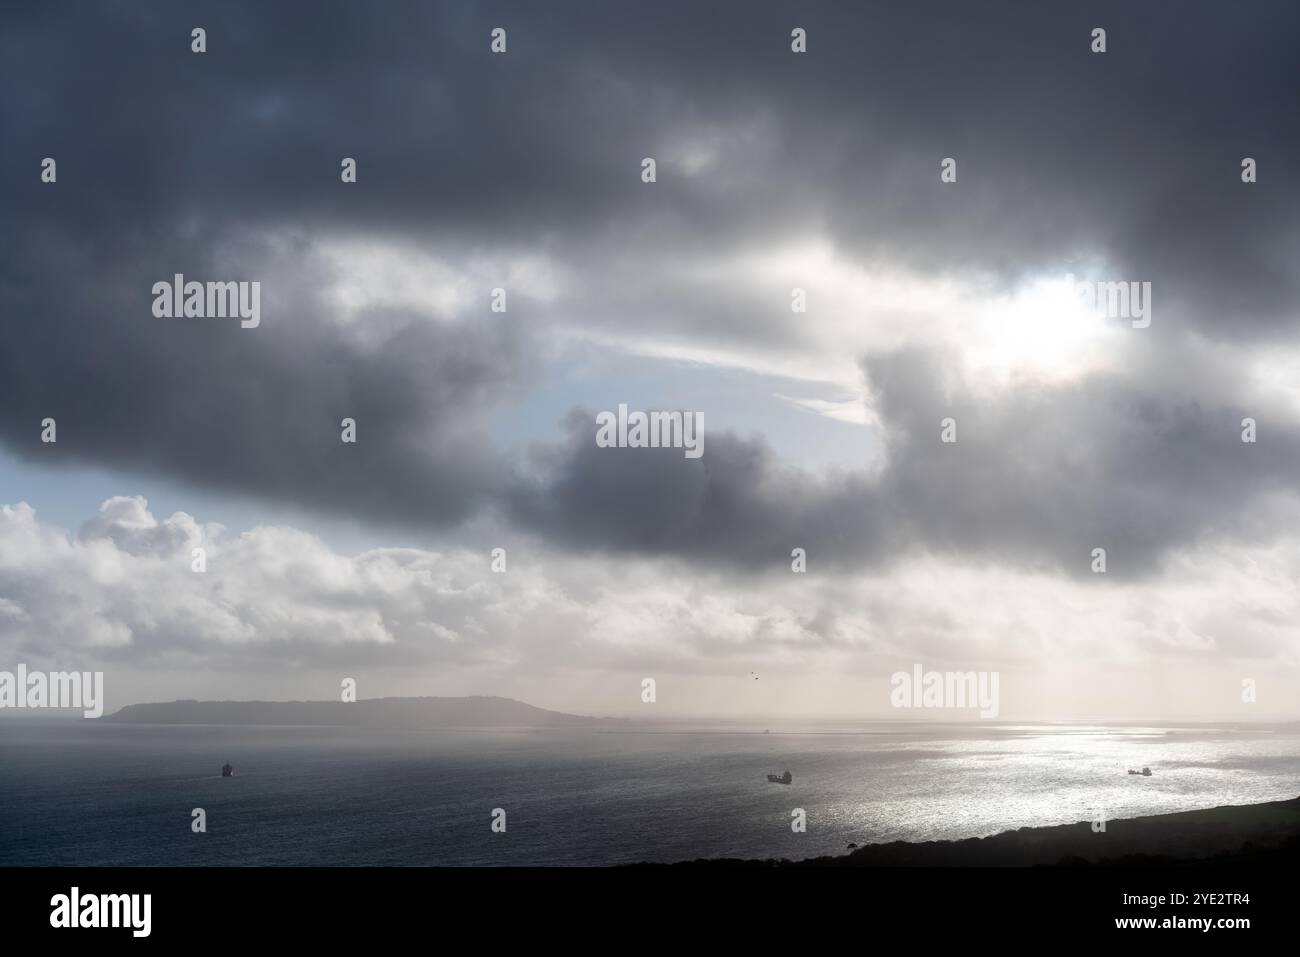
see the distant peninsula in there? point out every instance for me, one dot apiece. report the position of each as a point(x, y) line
point(395, 713)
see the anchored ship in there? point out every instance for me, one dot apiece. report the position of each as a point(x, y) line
point(781, 778)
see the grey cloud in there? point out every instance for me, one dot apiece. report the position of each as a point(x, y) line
point(1045, 475)
point(737, 503)
point(1132, 155)
point(253, 411)
point(167, 158)
point(1037, 479)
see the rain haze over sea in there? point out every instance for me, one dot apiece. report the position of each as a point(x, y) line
point(90, 793)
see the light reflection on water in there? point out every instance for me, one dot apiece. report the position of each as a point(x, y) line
point(106, 794)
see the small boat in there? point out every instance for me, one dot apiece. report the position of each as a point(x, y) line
point(227, 771)
point(1145, 772)
point(781, 778)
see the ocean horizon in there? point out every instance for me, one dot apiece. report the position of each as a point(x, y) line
point(95, 793)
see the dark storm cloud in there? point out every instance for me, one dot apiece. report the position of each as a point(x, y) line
point(255, 411)
point(1036, 479)
point(736, 503)
point(1133, 154)
point(166, 158)
point(1042, 476)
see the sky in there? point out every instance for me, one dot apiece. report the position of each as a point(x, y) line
point(928, 298)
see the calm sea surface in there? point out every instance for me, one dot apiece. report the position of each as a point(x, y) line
point(89, 793)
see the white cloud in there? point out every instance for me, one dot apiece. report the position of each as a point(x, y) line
point(122, 591)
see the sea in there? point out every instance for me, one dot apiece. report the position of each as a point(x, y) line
point(90, 793)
